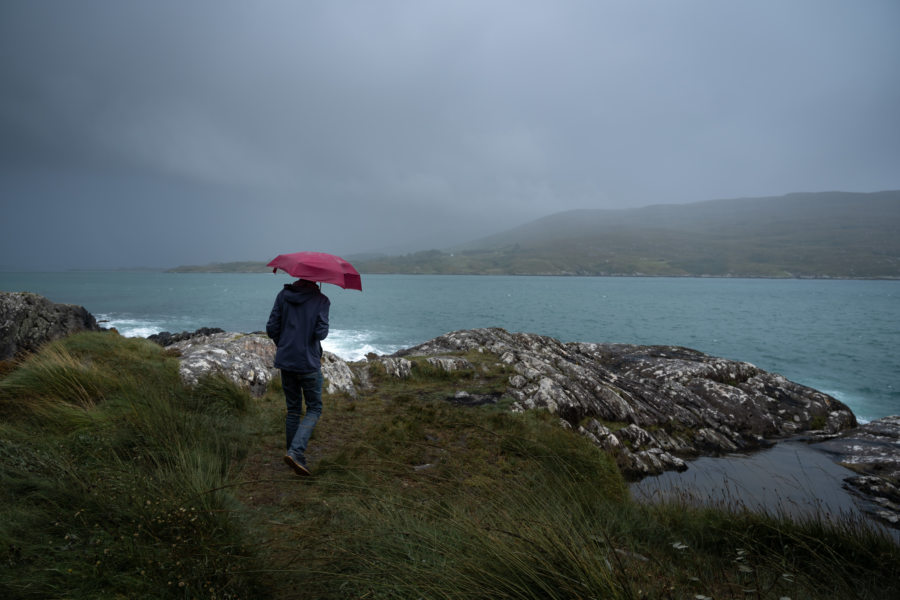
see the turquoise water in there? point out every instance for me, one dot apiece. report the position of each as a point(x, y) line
point(842, 337)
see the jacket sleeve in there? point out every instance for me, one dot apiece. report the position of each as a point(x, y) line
point(322, 320)
point(273, 326)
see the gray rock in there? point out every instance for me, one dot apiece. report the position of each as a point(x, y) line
point(165, 338)
point(395, 367)
point(873, 451)
point(672, 403)
point(449, 363)
point(28, 321)
point(339, 377)
point(872, 448)
point(247, 359)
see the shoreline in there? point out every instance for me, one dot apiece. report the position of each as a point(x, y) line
point(189, 271)
point(175, 271)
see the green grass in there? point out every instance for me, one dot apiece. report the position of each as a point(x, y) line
point(110, 472)
point(116, 481)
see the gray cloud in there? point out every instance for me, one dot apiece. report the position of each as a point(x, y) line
point(165, 133)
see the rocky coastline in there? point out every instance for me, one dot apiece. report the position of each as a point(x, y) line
point(654, 408)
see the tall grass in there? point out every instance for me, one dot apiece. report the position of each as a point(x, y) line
point(114, 476)
point(55, 386)
point(534, 538)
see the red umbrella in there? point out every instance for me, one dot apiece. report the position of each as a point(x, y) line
point(318, 266)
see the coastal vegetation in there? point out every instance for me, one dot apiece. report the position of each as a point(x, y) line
point(117, 480)
point(835, 234)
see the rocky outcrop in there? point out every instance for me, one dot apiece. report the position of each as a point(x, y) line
point(652, 406)
point(873, 451)
point(27, 321)
point(247, 360)
point(165, 338)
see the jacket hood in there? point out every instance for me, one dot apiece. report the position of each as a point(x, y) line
point(298, 293)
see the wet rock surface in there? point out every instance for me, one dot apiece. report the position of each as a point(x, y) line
point(873, 451)
point(28, 321)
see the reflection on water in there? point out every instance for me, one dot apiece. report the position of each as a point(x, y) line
point(788, 479)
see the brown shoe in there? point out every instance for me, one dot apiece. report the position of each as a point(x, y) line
point(298, 467)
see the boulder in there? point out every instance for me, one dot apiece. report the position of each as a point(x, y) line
point(339, 377)
point(28, 321)
point(395, 367)
point(246, 359)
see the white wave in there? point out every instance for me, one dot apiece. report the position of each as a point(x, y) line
point(350, 345)
point(128, 327)
point(854, 402)
point(353, 345)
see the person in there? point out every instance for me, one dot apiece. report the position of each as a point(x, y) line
point(297, 324)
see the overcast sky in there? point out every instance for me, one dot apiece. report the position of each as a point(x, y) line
point(164, 133)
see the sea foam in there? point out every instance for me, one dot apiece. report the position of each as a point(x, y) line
point(353, 345)
point(129, 327)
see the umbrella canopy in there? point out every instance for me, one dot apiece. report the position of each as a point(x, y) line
point(318, 266)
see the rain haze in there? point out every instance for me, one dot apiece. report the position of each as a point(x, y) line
point(166, 133)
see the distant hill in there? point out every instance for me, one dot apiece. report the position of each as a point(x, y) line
point(829, 234)
point(246, 266)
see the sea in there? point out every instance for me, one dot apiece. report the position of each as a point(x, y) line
point(839, 336)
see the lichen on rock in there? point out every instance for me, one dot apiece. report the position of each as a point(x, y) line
point(245, 359)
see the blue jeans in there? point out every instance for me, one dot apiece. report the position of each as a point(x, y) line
point(297, 388)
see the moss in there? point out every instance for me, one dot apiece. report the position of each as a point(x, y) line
point(818, 422)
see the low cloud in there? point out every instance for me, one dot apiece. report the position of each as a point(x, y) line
point(406, 125)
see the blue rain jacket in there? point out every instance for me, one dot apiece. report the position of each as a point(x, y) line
point(297, 324)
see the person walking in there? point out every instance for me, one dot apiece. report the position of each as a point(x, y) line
point(297, 324)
